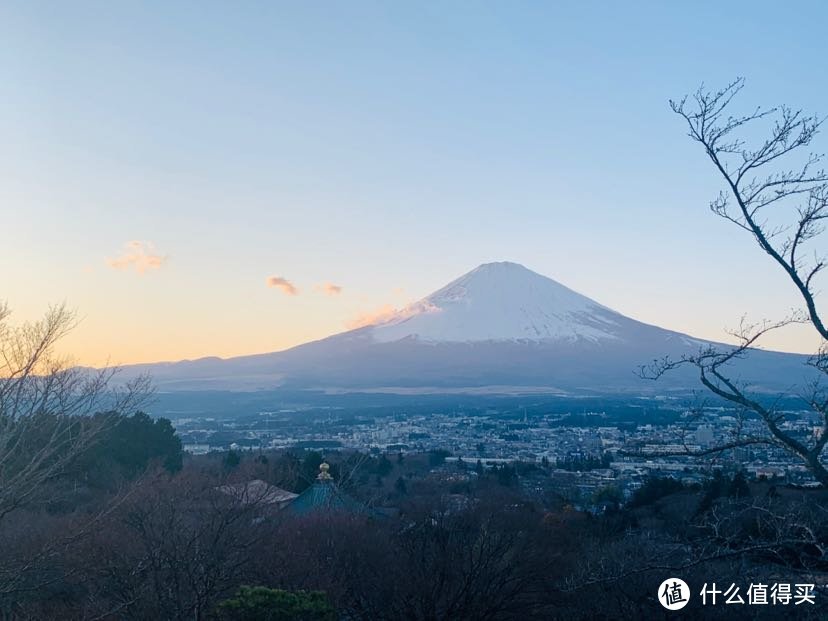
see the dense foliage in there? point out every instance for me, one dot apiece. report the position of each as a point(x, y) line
point(264, 604)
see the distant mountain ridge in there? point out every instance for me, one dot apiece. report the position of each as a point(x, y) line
point(500, 324)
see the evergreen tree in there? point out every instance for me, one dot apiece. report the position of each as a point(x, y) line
point(738, 487)
point(231, 460)
point(265, 604)
point(400, 486)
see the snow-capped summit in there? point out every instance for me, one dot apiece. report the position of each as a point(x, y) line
point(501, 302)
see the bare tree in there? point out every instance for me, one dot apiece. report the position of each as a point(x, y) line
point(190, 543)
point(739, 540)
point(46, 424)
point(776, 192)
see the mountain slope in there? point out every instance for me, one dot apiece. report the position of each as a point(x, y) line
point(502, 301)
point(498, 325)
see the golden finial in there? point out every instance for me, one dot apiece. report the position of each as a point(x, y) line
point(323, 472)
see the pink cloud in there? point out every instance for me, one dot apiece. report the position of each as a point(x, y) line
point(388, 312)
point(328, 288)
point(380, 315)
point(287, 287)
point(139, 255)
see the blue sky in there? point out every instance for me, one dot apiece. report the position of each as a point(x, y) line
point(382, 147)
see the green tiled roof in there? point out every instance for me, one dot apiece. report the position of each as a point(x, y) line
point(324, 495)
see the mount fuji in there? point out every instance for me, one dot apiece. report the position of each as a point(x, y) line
point(500, 327)
point(503, 302)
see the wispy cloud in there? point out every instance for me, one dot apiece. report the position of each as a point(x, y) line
point(328, 288)
point(139, 255)
point(287, 287)
point(389, 312)
point(380, 315)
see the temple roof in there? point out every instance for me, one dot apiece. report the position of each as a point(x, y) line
point(324, 495)
point(257, 492)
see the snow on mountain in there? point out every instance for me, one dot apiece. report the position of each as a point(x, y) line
point(501, 301)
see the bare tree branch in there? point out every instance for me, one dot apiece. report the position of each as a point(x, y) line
point(757, 178)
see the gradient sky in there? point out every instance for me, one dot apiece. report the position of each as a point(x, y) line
point(161, 161)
